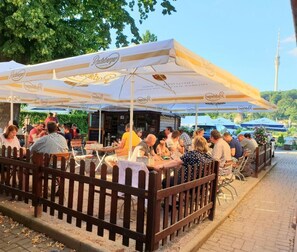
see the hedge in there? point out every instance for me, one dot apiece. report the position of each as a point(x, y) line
point(81, 120)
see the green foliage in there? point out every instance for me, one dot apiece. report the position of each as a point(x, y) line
point(294, 147)
point(237, 131)
point(38, 31)
point(292, 131)
point(80, 119)
point(148, 37)
point(286, 102)
point(281, 139)
point(260, 135)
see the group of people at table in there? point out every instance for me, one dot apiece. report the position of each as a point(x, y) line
point(43, 137)
point(170, 148)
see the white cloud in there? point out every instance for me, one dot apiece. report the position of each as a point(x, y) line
point(293, 52)
point(289, 39)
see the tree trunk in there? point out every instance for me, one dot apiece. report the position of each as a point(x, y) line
point(5, 113)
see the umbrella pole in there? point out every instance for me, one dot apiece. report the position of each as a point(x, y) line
point(196, 116)
point(99, 128)
point(11, 107)
point(131, 116)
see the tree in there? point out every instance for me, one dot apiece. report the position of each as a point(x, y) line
point(149, 37)
point(36, 31)
point(281, 140)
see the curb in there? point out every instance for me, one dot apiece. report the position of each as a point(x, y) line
point(72, 241)
point(210, 229)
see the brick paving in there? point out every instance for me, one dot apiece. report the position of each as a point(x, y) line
point(16, 237)
point(263, 221)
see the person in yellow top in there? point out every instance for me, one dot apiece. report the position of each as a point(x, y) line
point(126, 138)
point(123, 147)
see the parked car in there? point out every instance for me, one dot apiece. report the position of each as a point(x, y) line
point(289, 143)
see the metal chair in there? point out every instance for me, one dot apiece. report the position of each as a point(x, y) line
point(238, 168)
point(226, 177)
point(78, 151)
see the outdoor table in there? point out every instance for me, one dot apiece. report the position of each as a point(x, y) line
point(99, 148)
point(157, 162)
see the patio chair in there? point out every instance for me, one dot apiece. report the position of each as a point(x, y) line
point(136, 167)
point(226, 177)
point(88, 152)
point(78, 151)
point(238, 168)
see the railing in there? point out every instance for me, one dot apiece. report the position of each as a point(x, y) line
point(263, 157)
point(164, 210)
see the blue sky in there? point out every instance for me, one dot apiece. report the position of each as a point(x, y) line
point(237, 35)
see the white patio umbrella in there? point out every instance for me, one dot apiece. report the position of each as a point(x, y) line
point(152, 73)
point(6, 66)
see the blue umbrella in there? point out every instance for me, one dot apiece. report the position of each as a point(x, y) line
point(265, 122)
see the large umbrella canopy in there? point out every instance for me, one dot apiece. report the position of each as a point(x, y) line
point(163, 72)
point(57, 88)
point(259, 105)
point(37, 99)
point(11, 96)
point(6, 66)
point(265, 122)
point(152, 73)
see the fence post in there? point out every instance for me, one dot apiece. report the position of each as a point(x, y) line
point(265, 155)
point(214, 190)
point(153, 212)
point(257, 162)
point(37, 160)
point(270, 154)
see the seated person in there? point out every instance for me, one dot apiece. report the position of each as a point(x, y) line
point(67, 135)
point(248, 136)
point(139, 133)
point(221, 151)
point(145, 148)
point(187, 142)
point(51, 143)
point(199, 155)
point(249, 149)
point(236, 148)
point(75, 131)
point(50, 118)
point(37, 132)
point(123, 146)
point(161, 148)
point(174, 145)
point(198, 132)
point(9, 138)
point(247, 144)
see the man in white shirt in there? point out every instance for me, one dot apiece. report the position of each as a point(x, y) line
point(51, 143)
point(221, 151)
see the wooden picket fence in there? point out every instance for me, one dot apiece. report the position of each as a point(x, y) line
point(263, 158)
point(151, 215)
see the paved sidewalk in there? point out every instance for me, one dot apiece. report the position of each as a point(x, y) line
point(263, 220)
point(16, 237)
point(82, 240)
